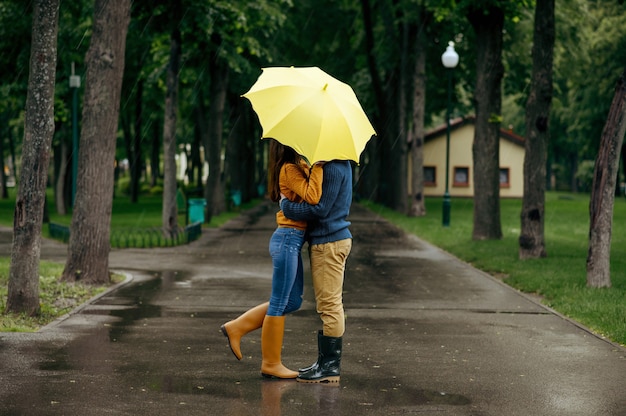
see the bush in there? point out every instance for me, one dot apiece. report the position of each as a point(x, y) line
point(123, 185)
point(584, 175)
point(155, 190)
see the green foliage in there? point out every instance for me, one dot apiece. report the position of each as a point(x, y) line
point(154, 190)
point(589, 54)
point(495, 118)
point(236, 31)
point(123, 185)
point(589, 58)
point(512, 9)
point(584, 175)
point(559, 279)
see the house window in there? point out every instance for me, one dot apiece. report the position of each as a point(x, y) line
point(505, 178)
point(461, 176)
point(430, 175)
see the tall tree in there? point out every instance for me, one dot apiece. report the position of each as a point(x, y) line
point(531, 240)
point(584, 83)
point(398, 51)
point(89, 245)
point(75, 19)
point(170, 213)
point(417, 133)
point(233, 37)
point(239, 155)
point(62, 155)
point(23, 289)
point(488, 24)
point(155, 154)
point(133, 140)
point(389, 68)
point(603, 190)
point(15, 43)
point(213, 191)
point(4, 192)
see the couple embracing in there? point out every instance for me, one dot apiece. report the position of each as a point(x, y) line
point(314, 204)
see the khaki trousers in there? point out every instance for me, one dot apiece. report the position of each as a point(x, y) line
point(328, 264)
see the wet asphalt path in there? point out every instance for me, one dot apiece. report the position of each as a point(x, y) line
point(426, 334)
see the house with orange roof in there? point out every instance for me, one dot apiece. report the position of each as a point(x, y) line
point(461, 164)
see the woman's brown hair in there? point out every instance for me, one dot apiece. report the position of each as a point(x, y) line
point(279, 155)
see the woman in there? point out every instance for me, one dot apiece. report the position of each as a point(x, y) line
point(289, 174)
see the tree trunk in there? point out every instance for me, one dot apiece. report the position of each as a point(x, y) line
point(4, 193)
point(239, 158)
point(23, 286)
point(247, 176)
point(170, 212)
point(398, 167)
point(155, 155)
point(195, 176)
point(128, 145)
point(61, 177)
point(370, 181)
point(202, 129)
point(531, 240)
point(12, 152)
point(213, 191)
point(488, 25)
point(417, 134)
point(135, 156)
point(89, 245)
point(392, 147)
point(623, 168)
point(603, 190)
point(260, 154)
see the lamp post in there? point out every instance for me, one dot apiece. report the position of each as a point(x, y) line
point(74, 85)
point(449, 59)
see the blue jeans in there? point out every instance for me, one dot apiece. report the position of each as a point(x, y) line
point(288, 275)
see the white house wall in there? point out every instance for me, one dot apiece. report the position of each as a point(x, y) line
point(461, 139)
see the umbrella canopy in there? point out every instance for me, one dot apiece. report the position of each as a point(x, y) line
point(312, 112)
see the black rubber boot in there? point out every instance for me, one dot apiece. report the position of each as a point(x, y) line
point(328, 366)
point(320, 334)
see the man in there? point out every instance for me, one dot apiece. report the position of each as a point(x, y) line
point(330, 242)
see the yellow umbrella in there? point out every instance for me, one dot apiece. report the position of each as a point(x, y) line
point(312, 112)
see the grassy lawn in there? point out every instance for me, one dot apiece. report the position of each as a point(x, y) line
point(560, 279)
point(144, 214)
point(58, 298)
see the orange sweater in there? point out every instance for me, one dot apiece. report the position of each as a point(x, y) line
point(296, 184)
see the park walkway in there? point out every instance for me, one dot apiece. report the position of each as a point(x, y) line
point(426, 334)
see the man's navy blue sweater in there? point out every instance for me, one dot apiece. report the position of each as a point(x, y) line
point(326, 220)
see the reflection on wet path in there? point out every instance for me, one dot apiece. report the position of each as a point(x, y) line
point(425, 334)
point(149, 345)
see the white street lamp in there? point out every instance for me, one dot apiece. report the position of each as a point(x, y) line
point(449, 59)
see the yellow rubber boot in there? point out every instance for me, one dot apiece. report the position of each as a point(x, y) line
point(247, 322)
point(271, 349)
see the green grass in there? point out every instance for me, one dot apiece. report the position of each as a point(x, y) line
point(145, 214)
point(125, 215)
point(58, 298)
point(560, 279)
